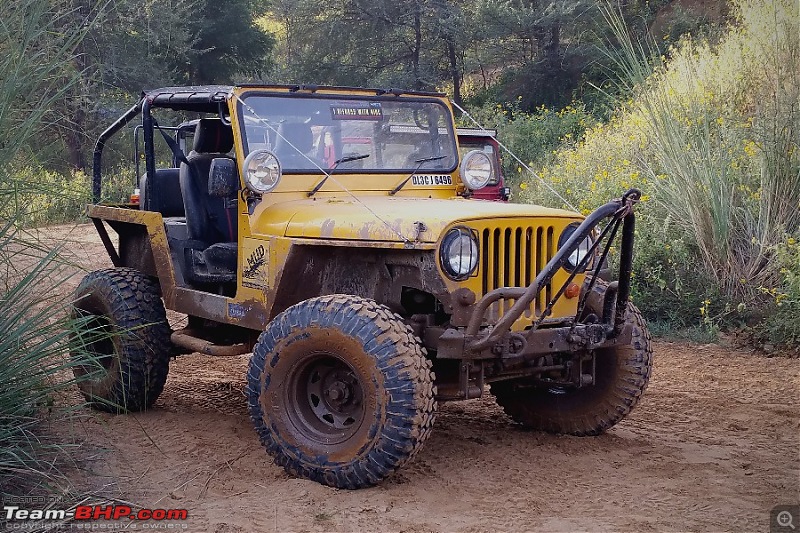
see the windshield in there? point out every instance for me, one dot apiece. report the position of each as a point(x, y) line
point(312, 133)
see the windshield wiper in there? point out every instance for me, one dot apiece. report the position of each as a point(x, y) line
point(345, 159)
point(419, 163)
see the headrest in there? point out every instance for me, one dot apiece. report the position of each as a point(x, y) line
point(211, 136)
point(296, 133)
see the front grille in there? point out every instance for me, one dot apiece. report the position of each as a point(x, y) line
point(512, 257)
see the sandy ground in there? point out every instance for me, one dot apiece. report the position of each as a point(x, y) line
point(713, 446)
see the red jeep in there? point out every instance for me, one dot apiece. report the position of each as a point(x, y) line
point(478, 139)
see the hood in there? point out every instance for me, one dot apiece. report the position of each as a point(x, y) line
point(378, 218)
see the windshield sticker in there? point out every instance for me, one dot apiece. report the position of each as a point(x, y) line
point(432, 179)
point(357, 112)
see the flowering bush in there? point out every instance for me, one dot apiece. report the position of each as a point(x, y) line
point(783, 323)
point(711, 138)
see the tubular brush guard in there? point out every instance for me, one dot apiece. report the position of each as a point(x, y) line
point(473, 344)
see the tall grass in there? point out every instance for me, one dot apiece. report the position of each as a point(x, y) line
point(37, 46)
point(699, 113)
point(35, 334)
point(710, 134)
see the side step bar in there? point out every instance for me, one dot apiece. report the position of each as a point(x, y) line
point(186, 338)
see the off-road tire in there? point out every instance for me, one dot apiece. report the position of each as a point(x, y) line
point(126, 334)
point(622, 374)
point(365, 350)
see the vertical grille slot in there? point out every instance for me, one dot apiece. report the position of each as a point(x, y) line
point(540, 263)
point(508, 264)
point(495, 247)
point(485, 255)
point(519, 255)
point(508, 247)
point(524, 262)
point(550, 253)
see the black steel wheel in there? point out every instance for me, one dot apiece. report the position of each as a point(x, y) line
point(340, 391)
point(325, 398)
point(126, 338)
point(621, 375)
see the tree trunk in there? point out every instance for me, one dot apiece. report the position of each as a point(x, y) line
point(76, 114)
point(74, 139)
point(417, 46)
point(454, 73)
point(552, 45)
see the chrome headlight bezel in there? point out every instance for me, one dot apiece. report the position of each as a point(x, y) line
point(459, 253)
point(575, 258)
point(476, 169)
point(262, 171)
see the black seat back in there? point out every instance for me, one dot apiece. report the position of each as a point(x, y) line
point(162, 193)
point(294, 140)
point(208, 219)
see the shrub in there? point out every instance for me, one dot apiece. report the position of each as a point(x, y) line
point(37, 197)
point(783, 322)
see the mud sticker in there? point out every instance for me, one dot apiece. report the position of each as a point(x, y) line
point(433, 179)
point(254, 274)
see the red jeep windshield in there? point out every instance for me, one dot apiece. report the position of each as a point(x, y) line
point(311, 133)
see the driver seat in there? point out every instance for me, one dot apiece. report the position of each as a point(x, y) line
point(211, 222)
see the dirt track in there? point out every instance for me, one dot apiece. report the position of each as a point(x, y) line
point(714, 444)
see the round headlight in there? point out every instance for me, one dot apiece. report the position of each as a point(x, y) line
point(459, 253)
point(262, 171)
point(577, 255)
point(476, 169)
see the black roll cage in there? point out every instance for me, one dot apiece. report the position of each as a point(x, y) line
point(97, 156)
point(204, 99)
point(143, 106)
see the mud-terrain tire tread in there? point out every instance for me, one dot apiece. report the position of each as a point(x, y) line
point(131, 301)
point(596, 408)
point(400, 359)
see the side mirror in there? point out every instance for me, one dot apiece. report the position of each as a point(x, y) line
point(223, 180)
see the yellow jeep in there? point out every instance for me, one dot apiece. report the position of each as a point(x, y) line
point(330, 232)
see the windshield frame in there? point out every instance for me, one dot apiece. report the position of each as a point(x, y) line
point(447, 115)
